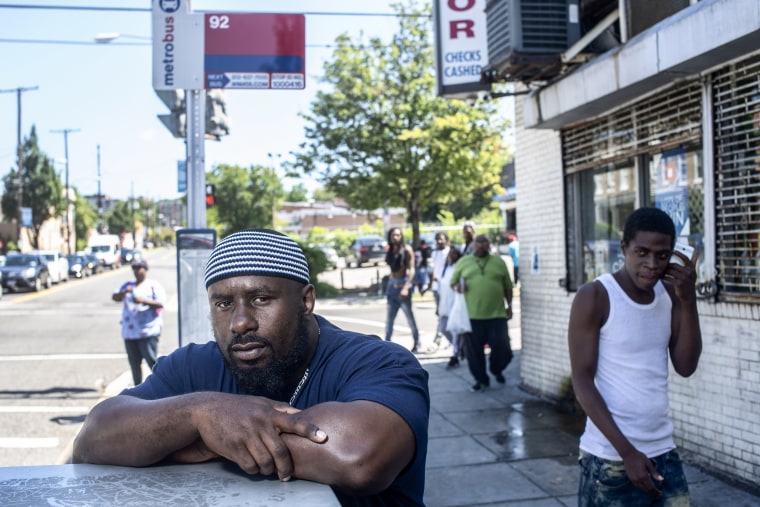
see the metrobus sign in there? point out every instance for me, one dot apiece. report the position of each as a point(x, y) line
point(195, 51)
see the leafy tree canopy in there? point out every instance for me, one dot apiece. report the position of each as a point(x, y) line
point(42, 189)
point(85, 219)
point(379, 136)
point(120, 218)
point(245, 198)
point(299, 193)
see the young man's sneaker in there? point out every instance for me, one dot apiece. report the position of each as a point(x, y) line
point(500, 378)
point(453, 362)
point(478, 388)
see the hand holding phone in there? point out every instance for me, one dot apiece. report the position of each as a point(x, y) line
point(685, 249)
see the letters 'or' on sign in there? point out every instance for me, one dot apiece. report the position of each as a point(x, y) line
point(254, 50)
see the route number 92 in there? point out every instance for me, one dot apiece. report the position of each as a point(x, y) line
point(216, 22)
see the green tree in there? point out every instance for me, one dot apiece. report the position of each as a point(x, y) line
point(379, 136)
point(299, 193)
point(85, 219)
point(42, 192)
point(120, 218)
point(323, 195)
point(245, 198)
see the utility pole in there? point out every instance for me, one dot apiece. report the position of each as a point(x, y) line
point(20, 155)
point(65, 133)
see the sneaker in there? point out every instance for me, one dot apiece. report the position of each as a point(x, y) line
point(500, 378)
point(453, 362)
point(478, 388)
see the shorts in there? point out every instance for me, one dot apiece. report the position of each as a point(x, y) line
point(605, 483)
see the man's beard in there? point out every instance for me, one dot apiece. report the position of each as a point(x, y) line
point(270, 380)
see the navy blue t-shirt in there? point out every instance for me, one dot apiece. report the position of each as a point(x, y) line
point(346, 366)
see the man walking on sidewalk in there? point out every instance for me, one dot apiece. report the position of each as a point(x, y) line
point(486, 285)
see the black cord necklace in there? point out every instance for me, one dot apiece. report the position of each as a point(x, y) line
point(482, 266)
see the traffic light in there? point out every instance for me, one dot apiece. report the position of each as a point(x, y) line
point(175, 121)
point(217, 122)
point(210, 200)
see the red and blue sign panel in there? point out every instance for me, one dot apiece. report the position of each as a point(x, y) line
point(253, 50)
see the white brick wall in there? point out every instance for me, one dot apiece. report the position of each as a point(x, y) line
point(540, 218)
point(716, 412)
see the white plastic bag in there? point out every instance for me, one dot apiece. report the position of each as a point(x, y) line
point(459, 319)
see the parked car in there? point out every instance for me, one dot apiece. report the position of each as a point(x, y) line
point(366, 249)
point(25, 271)
point(79, 266)
point(130, 254)
point(93, 263)
point(58, 265)
point(331, 255)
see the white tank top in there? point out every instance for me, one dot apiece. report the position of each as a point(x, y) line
point(632, 373)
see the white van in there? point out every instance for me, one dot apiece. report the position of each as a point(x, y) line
point(107, 248)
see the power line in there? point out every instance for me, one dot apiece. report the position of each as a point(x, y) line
point(147, 9)
point(70, 42)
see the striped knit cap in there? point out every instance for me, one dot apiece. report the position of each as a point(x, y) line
point(257, 252)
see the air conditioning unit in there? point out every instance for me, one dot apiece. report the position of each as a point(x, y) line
point(527, 37)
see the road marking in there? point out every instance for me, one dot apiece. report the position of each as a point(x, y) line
point(60, 357)
point(350, 320)
point(28, 443)
point(41, 409)
point(401, 329)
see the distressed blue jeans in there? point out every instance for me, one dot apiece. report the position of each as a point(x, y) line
point(395, 301)
point(605, 483)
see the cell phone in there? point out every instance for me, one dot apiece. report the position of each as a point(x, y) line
point(685, 249)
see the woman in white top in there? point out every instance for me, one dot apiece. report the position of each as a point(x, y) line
point(445, 302)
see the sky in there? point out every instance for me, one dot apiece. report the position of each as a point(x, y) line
point(103, 92)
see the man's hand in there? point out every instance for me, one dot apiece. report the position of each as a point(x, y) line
point(641, 471)
point(246, 430)
point(682, 278)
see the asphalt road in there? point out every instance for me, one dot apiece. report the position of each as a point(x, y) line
point(60, 348)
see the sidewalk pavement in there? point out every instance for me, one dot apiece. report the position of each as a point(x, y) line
point(506, 447)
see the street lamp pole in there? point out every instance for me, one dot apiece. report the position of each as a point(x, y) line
point(68, 199)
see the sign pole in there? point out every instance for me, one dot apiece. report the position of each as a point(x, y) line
point(196, 158)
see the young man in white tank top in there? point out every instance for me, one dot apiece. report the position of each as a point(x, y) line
point(623, 327)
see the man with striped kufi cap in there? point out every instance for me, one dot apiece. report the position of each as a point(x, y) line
point(281, 390)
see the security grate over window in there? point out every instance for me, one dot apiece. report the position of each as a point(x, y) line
point(736, 99)
point(646, 153)
point(666, 120)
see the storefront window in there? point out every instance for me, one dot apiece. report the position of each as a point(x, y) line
point(608, 197)
point(676, 187)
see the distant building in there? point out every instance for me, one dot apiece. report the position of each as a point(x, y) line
point(300, 217)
